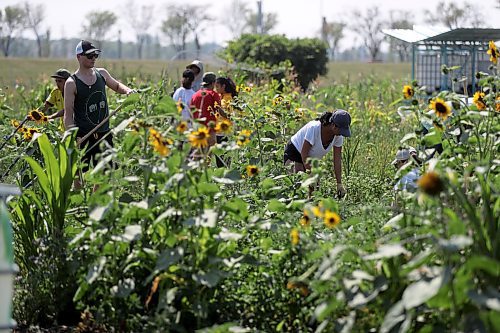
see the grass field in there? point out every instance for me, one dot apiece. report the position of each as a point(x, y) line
point(29, 71)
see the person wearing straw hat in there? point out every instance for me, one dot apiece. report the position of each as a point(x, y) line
point(85, 100)
point(316, 139)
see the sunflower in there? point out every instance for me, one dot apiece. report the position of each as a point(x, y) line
point(305, 220)
point(408, 92)
point(478, 100)
point(223, 126)
point(295, 236)
point(442, 109)
point(199, 138)
point(159, 143)
point(29, 132)
point(182, 127)
point(331, 219)
point(316, 210)
point(252, 170)
point(278, 100)
point(37, 116)
point(248, 89)
point(431, 183)
point(180, 106)
point(497, 104)
point(493, 52)
point(244, 137)
point(14, 123)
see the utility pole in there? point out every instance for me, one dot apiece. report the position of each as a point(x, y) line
point(260, 29)
point(119, 44)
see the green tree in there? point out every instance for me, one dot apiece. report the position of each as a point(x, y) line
point(12, 23)
point(35, 15)
point(98, 25)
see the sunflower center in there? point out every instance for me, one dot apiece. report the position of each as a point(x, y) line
point(441, 108)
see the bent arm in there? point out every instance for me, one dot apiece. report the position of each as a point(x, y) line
point(304, 153)
point(69, 103)
point(114, 84)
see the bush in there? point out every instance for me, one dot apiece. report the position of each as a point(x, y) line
point(307, 55)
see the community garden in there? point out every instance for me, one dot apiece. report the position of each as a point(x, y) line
point(169, 243)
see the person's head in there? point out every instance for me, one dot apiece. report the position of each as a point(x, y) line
point(86, 53)
point(195, 67)
point(337, 122)
point(208, 81)
point(187, 78)
point(60, 77)
point(224, 85)
point(402, 157)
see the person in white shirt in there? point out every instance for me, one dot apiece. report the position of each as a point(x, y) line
point(184, 94)
point(408, 182)
point(316, 139)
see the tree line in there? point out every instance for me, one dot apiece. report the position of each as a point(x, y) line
point(183, 26)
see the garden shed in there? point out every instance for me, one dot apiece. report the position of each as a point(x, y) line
point(433, 47)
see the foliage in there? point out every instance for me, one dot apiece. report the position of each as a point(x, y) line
point(308, 56)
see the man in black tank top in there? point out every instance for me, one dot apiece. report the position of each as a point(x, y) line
point(85, 101)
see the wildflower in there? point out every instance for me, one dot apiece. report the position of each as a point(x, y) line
point(317, 211)
point(493, 52)
point(199, 138)
point(442, 109)
point(37, 116)
point(278, 100)
point(180, 106)
point(305, 220)
point(159, 143)
point(182, 127)
point(223, 126)
point(408, 92)
point(14, 123)
point(331, 219)
point(244, 137)
point(248, 89)
point(497, 104)
point(252, 170)
point(478, 100)
point(431, 183)
point(29, 132)
point(295, 236)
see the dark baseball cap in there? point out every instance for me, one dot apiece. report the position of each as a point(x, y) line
point(86, 47)
point(61, 73)
point(208, 78)
point(342, 119)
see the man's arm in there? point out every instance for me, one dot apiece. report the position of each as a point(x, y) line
point(114, 84)
point(69, 100)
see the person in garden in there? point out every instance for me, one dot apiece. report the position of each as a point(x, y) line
point(183, 94)
point(197, 67)
point(85, 100)
point(408, 182)
point(55, 100)
point(316, 139)
point(227, 90)
point(207, 103)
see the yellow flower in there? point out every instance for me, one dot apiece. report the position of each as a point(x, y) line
point(278, 100)
point(442, 109)
point(182, 127)
point(497, 104)
point(180, 106)
point(305, 220)
point(223, 126)
point(14, 123)
point(199, 138)
point(431, 183)
point(478, 99)
point(331, 219)
point(248, 89)
point(316, 210)
point(408, 92)
point(493, 52)
point(244, 137)
point(301, 286)
point(29, 132)
point(159, 143)
point(252, 170)
point(37, 116)
point(295, 236)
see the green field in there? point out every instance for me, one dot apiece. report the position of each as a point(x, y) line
point(29, 71)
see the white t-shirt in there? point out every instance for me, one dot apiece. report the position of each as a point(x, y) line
point(185, 96)
point(408, 182)
point(312, 133)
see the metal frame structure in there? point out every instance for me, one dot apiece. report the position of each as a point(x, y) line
point(433, 47)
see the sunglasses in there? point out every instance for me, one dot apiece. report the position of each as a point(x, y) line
point(92, 55)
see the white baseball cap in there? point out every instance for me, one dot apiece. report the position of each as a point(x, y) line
point(401, 155)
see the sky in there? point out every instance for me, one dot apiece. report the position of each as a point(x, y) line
point(296, 18)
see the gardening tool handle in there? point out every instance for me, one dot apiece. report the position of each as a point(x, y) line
point(100, 124)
